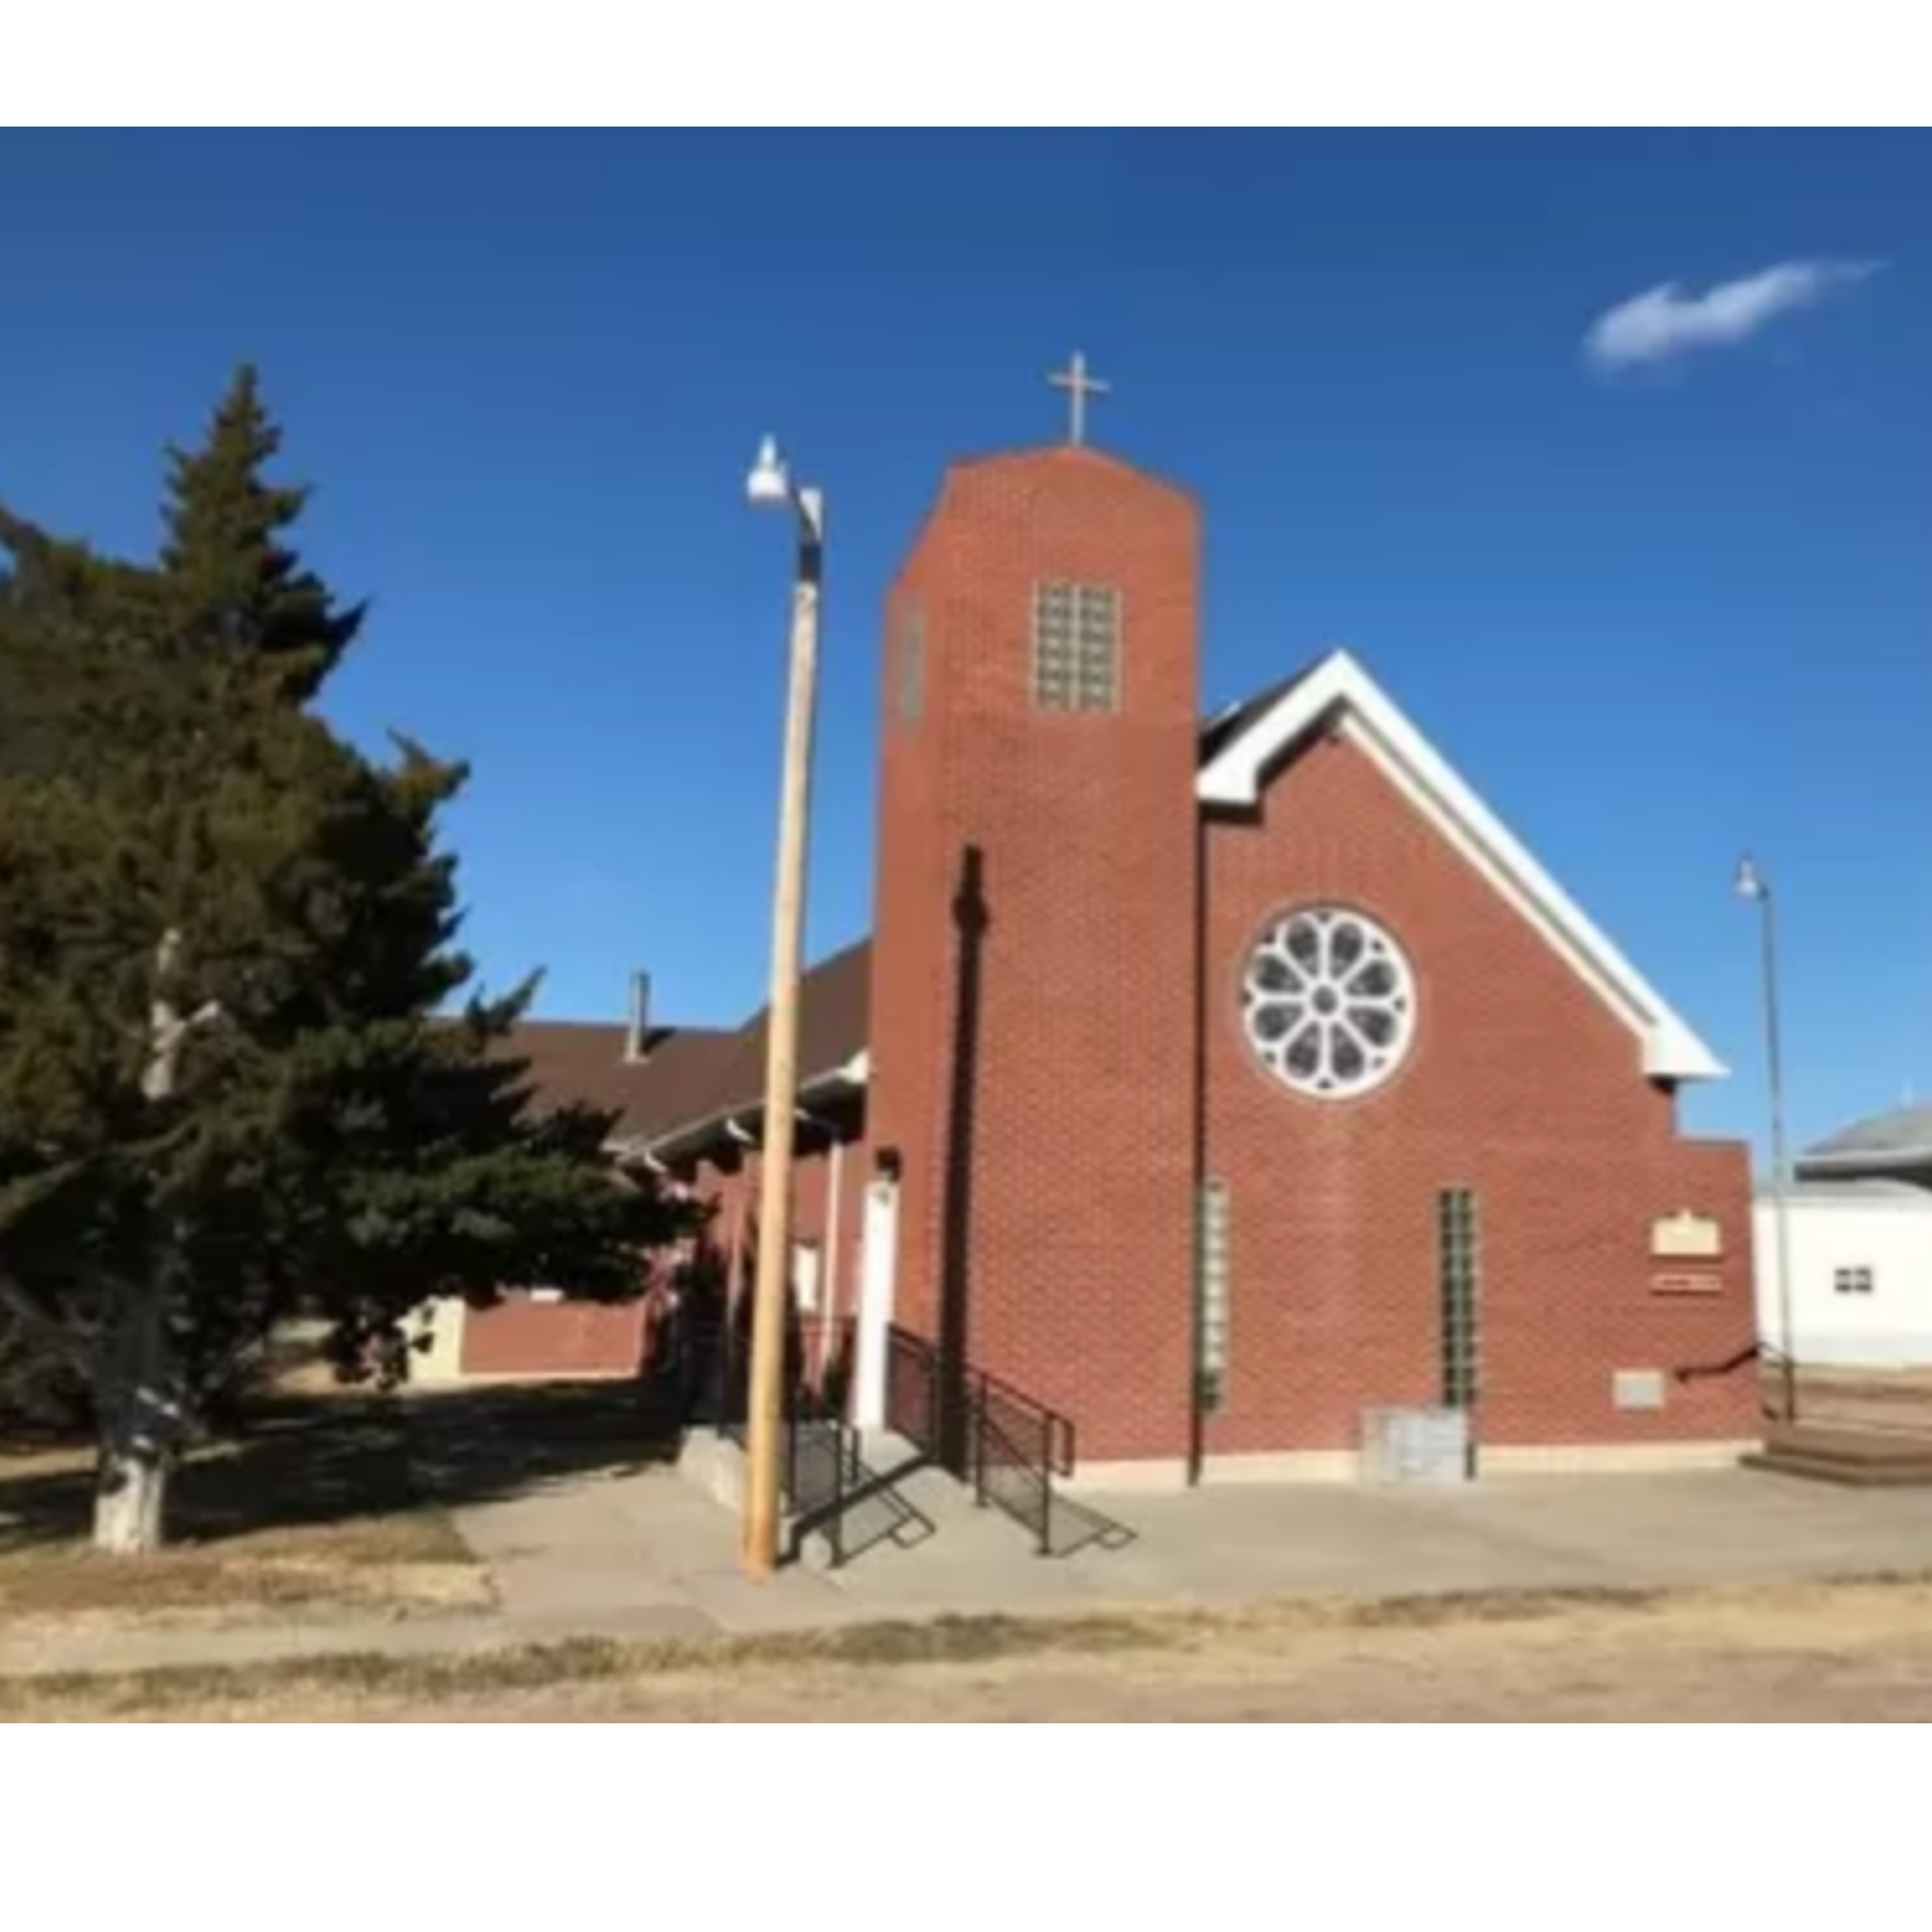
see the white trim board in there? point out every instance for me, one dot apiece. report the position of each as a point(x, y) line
point(1339, 693)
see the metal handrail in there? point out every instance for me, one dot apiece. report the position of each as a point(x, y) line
point(1056, 1429)
point(1012, 1443)
point(1765, 1355)
point(810, 1430)
point(1035, 1463)
point(818, 1447)
point(913, 1389)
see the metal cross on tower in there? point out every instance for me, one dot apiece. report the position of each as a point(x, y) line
point(1079, 386)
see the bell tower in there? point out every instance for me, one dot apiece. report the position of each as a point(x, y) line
point(1034, 1034)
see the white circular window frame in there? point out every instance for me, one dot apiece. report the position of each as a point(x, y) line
point(1330, 998)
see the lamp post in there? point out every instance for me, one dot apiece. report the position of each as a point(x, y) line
point(1751, 884)
point(770, 486)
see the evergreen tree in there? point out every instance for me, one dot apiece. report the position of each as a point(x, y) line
point(225, 558)
point(228, 1090)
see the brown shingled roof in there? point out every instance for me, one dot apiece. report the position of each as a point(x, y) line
point(694, 1075)
point(833, 1010)
point(583, 1060)
point(833, 1021)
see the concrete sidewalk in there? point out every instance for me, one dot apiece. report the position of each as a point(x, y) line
point(647, 1555)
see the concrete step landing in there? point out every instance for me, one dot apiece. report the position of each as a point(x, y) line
point(1849, 1457)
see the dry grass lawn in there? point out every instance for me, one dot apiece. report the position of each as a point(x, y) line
point(316, 1512)
point(1823, 1654)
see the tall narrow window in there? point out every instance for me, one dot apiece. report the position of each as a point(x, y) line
point(1076, 647)
point(912, 665)
point(1210, 1294)
point(1456, 1262)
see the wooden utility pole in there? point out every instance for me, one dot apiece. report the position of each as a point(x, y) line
point(770, 1293)
point(1753, 885)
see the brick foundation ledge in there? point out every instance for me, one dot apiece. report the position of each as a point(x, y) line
point(1344, 1465)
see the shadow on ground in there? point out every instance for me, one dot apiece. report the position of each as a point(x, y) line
point(315, 1461)
point(490, 1444)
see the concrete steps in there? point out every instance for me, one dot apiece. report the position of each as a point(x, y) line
point(1074, 1524)
point(1852, 1458)
point(877, 1512)
point(899, 1502)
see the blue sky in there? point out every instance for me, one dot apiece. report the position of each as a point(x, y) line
point(1656, 613)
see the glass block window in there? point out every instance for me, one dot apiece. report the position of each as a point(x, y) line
point(1457, 1281)
point(912, 665)
point(1210, 1294)
point(1076, 647)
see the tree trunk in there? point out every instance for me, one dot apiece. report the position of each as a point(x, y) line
point(139, 1389)
point(130, 1503)
point(140, 1431)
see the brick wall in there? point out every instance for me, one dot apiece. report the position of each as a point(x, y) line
point(1050, 1123)
point(525, 1336)
point(1522, 1086)
point(1040, 1082)
point(735, 1190)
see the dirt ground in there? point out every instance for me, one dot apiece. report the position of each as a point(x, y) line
point(318, 1509)
point(1847, 1654)
point(321, 1506)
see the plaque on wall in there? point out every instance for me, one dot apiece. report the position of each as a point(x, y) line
point(1687, 1284)
point(1686, 1237)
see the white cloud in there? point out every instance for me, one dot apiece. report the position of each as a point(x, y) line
point(1669, 321)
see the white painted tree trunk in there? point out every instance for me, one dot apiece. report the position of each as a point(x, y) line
point(141, 1421)
point(130, 1504)
point(139, 1391)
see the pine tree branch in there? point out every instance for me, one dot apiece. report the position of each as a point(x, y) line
point(75, 1341)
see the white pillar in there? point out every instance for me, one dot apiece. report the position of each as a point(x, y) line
point(834, 1181)
point(877, 1261)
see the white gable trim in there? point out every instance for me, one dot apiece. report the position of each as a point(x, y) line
point(1340, 695)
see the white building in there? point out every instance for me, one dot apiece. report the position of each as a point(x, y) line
point(1860, 1219)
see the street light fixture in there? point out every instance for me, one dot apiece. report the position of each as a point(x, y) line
point(770, 482)
point(1752, 885)
point(770, 486)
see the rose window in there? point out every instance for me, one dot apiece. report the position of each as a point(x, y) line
point(1328, 1002)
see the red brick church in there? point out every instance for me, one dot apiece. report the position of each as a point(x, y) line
point(1215, 1081)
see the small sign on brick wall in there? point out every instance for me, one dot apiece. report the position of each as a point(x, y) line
point(1687, 1284)
point(1637, 1388)
point(1684, 1237)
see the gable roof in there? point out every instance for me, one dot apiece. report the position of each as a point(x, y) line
point(585, 1061)
point(1901, 1138)
point(1860, 1192)
point(693, 1080)
point(835, 1011)
point(1232, 720)
point(1337, 693)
